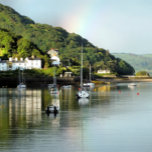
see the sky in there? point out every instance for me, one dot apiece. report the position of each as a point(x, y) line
point(122, 26)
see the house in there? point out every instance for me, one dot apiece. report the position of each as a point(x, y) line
point(33, 63)
point(53, 53)
point(55, 60)
point(100, 71)
point(68, 74)
point(14, 63)
point(4, 65)
point(28, 63)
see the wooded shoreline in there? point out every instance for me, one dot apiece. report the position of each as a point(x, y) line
point(43, 82)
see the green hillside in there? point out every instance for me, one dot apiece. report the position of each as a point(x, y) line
point(139, 62)
point(17, 46)
point(44, 37)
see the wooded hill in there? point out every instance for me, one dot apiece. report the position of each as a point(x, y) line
point(18, 32)
point(140, 62)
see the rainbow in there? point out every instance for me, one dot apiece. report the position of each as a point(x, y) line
point(80, 19)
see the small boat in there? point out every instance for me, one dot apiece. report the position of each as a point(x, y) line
point(90, 85)
point(82, 94)
point(52, 109)
point(21, 84)
point(67, 86)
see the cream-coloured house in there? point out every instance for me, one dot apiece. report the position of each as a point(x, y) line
point(4, 65)
point(103, 71)
point(53, 52)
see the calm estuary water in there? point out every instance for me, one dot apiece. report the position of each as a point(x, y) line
point(115, 118)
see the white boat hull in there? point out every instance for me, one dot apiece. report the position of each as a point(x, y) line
point(83, 94)
point(90, 85)
point(21, 86)
point(67, 87)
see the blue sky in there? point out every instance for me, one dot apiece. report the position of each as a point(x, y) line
point(117, 25)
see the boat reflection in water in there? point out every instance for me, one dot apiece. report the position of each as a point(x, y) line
point(54, 107)
point(83, 101)
point(132, 86)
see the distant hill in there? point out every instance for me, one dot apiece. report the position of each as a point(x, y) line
point(44, 37)
point(139, 62)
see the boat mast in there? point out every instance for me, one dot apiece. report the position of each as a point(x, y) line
point(90, 73)
point(19, 76)
point(54, 77)
point(81, 72)
point(22, 78)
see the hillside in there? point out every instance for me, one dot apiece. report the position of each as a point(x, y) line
point(139, 62)
point(45, 36)
point(17, 46)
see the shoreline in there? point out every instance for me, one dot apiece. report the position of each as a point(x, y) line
point(124, 80)
point(43, 82)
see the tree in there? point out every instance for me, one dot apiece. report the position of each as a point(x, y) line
point(143, 73)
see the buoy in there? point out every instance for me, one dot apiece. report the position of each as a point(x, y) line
point(119, 91)
point(137, 93)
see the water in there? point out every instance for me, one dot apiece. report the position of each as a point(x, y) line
point(115, 118)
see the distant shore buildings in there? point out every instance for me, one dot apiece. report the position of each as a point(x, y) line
point(15, 63)
point(100, 71)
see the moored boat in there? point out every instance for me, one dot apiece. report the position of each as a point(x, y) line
point(52, 109)
point(82, 93)
point(21, 84)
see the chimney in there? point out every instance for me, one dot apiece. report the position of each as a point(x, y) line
point(10, 59)
point(33, 56)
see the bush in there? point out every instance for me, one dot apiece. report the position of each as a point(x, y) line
point(142, 73)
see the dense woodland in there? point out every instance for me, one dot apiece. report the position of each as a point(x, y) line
point(22, 37)
point(140, 62)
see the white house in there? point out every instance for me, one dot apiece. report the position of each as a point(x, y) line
point(28, 63)
point(13, 64)
point(54, 56)
point(33, 63)
point(55, 60)
point(3, 65)
point(103, 71)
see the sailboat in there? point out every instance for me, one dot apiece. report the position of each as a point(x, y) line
point(82, 93)
point(89, 84)
point(53, 87)
point(21, 84)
